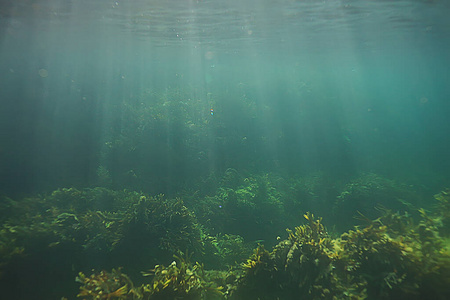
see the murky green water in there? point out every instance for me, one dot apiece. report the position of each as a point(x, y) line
point(245, 114)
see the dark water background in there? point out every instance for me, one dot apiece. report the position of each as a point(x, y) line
point(296, 87)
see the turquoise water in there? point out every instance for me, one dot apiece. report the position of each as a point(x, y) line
point(340, 85)
point(174, 96)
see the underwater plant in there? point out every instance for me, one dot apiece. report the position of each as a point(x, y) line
point(107, 285)
point(68, 225)
point(394, 258)
point(299, 267)
point(165, 221)
point(443, 212)
point(368, 192)
point(181, 280)
point(247, 206)
point(224, 250)
point(391, 258)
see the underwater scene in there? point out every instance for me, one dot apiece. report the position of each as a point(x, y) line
point(235, 150)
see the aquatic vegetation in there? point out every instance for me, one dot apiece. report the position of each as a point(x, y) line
point(247, 206)
point(403, 255)
point(299, 267)
point(168, 138)
point(391, 258)
point(182, 280)
point(144, 160)
point(394, 258)
point(443, 212)
point(368, 192)
point(312, 192)
point(261, 206)
point(259, 259)
point(9, 248)
point(107, 285)
point(231, 179)
point(224, 250)
point(168, 219)
point(69, 224)
point(381, 262)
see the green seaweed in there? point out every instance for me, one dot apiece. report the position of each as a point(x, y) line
point(402, 255)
